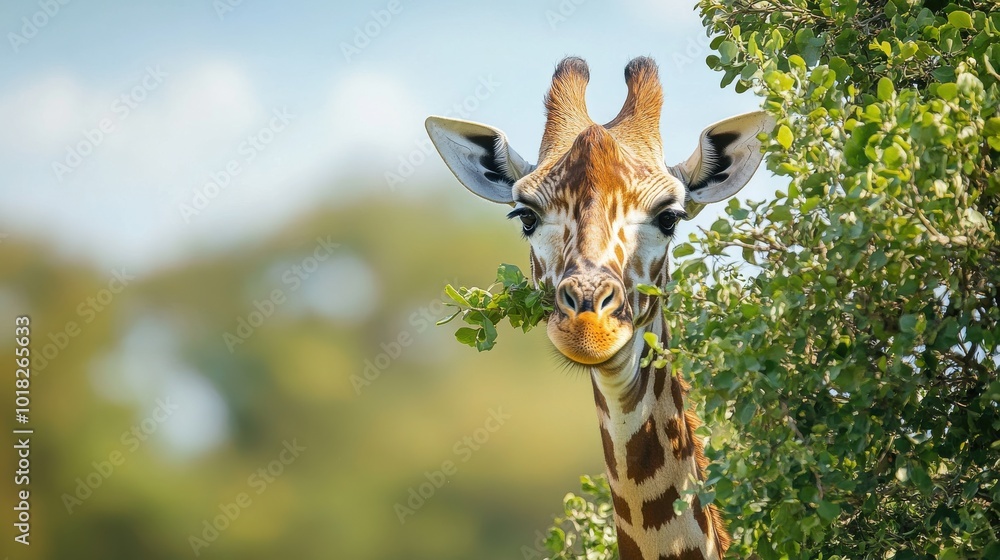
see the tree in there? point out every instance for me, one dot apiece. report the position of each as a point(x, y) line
point(847, 366)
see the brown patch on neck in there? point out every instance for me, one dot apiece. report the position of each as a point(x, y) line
point(677, 390)
point(679, 437)
point(631, 399)
point(599, 400)
point(621, 507)
point(627, 548)
point(659, 511)
point(644, 455)
point(686, 554)
point(660, 380)
point(609, 453)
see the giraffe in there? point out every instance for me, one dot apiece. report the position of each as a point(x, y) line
point(599, 210)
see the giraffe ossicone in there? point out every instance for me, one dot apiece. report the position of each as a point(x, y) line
point(598, 211)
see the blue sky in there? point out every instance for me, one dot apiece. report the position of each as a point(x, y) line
point(118, 115)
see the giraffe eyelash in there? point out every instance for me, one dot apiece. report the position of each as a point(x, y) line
point(518, 212)
point(676, 214)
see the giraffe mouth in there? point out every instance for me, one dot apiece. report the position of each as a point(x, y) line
point(587, 338)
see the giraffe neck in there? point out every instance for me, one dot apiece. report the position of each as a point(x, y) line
point(651, 455)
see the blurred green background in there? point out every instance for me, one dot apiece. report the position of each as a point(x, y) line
point(148, 421)
point(366, 444)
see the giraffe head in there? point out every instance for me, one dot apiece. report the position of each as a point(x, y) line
point(600, 207)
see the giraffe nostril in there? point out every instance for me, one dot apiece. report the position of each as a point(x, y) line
point(568, 299)
point(607, 300)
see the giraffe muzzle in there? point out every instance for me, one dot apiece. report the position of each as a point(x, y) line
point(592, 321)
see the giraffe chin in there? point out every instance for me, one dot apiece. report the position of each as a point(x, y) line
point(587, 339)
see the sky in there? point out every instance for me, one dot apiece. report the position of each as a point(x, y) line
point(147, 133)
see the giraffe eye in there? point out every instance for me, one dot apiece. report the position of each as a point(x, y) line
point(667, 221)
point(528, 219)
point(528, 222)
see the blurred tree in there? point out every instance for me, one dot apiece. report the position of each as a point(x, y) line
point(851, 379)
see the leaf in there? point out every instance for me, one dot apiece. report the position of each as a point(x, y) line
point(809, 204)
point(944, 74)
point(780, 214)
point(960, 19)
point(467, 335)
point(649, 290)
point(893, 156)
point(784, 136)
point(920, 479)
point(778, 81)
point(951, 553)
point(885, 89)
point(455, 296)
point(722, 226)
point(828, 511)
point(745, 412)
point(487, 336)
point(683, 250)
point(728, 51)
point(948, 91)
point(509, 275)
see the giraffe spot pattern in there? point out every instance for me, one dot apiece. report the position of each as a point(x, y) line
point(609, 453)
point(599, 400)
point(590, 173)
point(680, 440)
point(677, 393)
point(660, 510)
point(621, 507)
point(700, 515)
point(632, 398)
point(644, 454)
point(659, 382)
point(686, 554)
point(627, 548)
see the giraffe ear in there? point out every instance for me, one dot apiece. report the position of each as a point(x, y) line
point(727, 156)
point(479, 156)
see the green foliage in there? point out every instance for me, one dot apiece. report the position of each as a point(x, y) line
point(587, 529)
point(847, 367)
point(850, 377)
point(517, 301)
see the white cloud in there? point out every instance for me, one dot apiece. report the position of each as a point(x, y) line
point(40, 115)
point(373, 111)
point(189, 122)
point(194, 121)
